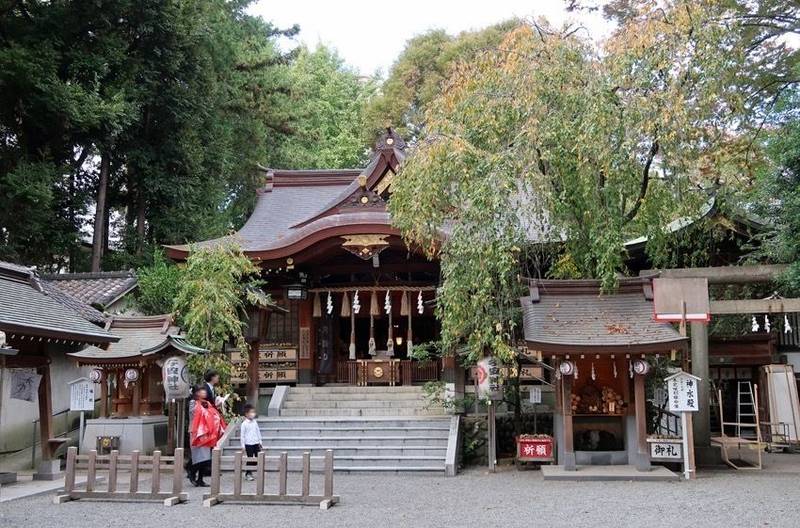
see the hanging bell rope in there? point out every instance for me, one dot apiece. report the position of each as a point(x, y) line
point(404, 304)
point(317, 312)
point(371, 344)
point(353, 330)
point(410, 336)
point(373, 304)
point(345, 305)
point(387, 305)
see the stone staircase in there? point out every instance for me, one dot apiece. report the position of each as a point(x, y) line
point(370, 429)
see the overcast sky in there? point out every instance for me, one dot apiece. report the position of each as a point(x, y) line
point(371, 34)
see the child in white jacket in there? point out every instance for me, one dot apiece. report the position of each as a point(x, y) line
point(250, 436)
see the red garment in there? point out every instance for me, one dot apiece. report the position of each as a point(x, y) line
point(208, 425)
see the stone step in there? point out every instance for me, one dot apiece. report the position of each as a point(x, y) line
point(292, 395)
point(334, 442)
point(361, 412)
point(340, 389)
point(349, 450)
point(354, 404)
point(355, 431)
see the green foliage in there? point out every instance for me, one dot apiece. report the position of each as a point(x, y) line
point(213, 296)
point(418, 76)
point(548, 138)
point(159, 284)
point(326, 105)
point(777, 196)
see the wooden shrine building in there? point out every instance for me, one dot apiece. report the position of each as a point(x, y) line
point(129, 374)
point(352, 295)
point(596, 342)
point(41, 325)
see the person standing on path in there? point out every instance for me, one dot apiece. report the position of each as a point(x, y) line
point(250, 436)
point(206, 426)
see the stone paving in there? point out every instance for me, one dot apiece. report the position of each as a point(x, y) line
point(508, 498)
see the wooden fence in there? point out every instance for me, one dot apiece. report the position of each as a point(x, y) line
point(114, 462)
point(239, 464)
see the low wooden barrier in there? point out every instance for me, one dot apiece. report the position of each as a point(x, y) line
point(115, 462)
point(282, 496)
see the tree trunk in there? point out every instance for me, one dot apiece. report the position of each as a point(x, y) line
point(140, 219)
point(100, 213)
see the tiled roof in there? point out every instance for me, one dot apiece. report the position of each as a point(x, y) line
point(139, 336)
point(97, 289)
point(26, 307)
point(559, 315)
point(87, 312)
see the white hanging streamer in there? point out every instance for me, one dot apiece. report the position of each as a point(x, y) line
point(594, 374)
point(329, 304)
point(576, 371)
point(615, 368)
point(420, 307)
point(630, 368)
point(356, 303)
point(767, 326)
point(787, 328)
point(387, 303)
point(755, 326)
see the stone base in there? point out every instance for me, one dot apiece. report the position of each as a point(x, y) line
point(143, 433)
point(607, 473)
point(49, 470)
point(7, 477)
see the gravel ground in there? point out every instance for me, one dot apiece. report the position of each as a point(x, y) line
point(508, 498)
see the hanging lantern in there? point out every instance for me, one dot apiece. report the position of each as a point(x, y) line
point(329, 304)
point(767, 326)
point(641, 367)
point(96, 375)
point(566, 368)
point(420, 306)
point(356, 303)
point(754, 327)
point(131, 375)
point(787, 328)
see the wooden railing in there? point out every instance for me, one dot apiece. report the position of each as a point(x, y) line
point(347, 372)
point(260, 467)
point(412, 371)
point(134, 463)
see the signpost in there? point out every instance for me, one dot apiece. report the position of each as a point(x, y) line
point(488, 386)
point(81, 398)
point(683, 389)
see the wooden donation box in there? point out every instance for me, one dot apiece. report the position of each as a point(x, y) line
point(378, 371)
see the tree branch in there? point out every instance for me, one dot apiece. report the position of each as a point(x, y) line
point(645, 182)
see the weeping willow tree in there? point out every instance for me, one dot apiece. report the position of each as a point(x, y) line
point(552, 138)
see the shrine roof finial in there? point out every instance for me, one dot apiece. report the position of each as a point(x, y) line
point(390, 140)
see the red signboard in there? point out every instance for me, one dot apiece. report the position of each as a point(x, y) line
point(535, 448)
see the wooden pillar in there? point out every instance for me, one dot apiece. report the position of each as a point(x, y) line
point(642, 456)
point(136, 397)
point(252, 374)
point(570, 463)
point(702, 419)
point(45, 413)
point(305, 365)
point(104, 394)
